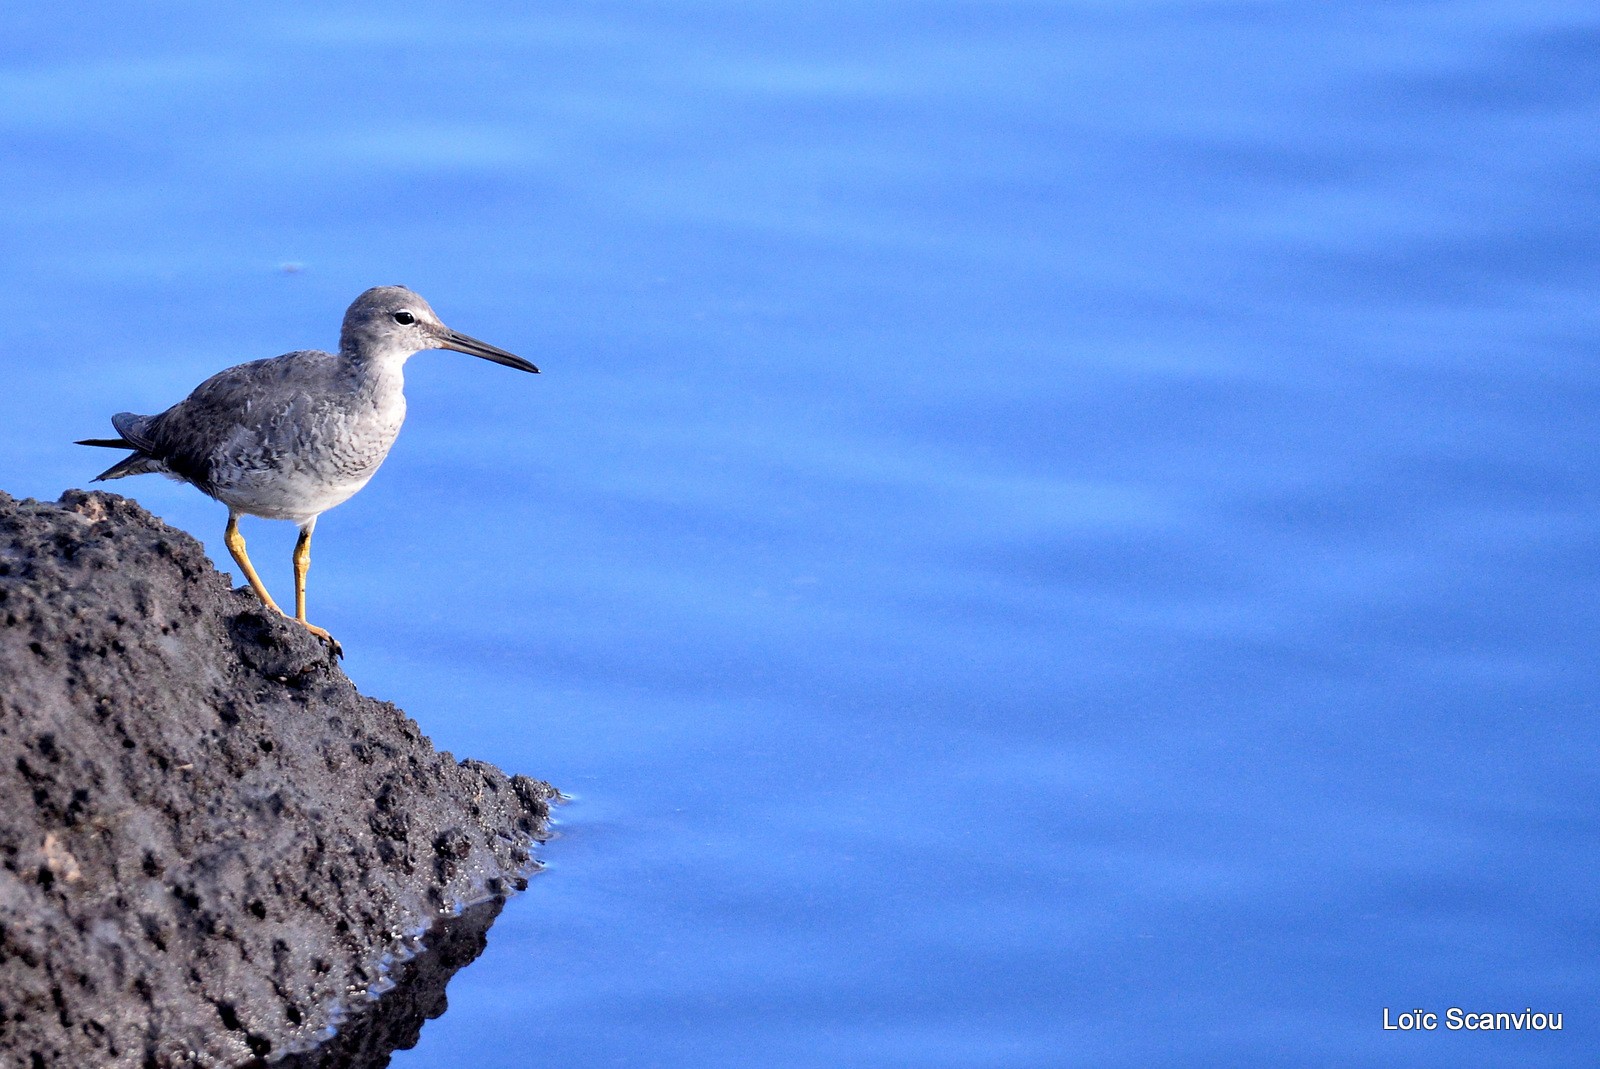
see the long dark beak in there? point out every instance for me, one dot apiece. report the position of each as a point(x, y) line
point(461, 343)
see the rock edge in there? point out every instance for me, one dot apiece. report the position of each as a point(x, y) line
point(211, 845)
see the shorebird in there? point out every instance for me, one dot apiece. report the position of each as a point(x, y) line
point(290, 437)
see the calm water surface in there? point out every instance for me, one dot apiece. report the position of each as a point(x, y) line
point(1051, 534)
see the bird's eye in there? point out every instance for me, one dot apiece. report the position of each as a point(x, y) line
point(404, 318)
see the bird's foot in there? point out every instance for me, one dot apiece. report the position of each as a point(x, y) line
point(333, 643)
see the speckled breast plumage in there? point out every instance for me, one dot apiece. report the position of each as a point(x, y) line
point(286, 438)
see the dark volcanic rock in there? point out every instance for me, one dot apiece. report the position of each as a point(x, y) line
point(210, 843)
point(395, 1021)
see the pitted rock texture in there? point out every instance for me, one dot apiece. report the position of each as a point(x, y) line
point(210, 843)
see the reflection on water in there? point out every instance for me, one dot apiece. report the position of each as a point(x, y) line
point(412, 994)
point(1048, 533)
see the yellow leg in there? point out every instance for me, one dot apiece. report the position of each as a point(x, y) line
point(302, 561)
point(235, 543)
point(302, 565)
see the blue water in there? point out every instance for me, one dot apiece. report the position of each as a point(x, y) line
point(1050, 534)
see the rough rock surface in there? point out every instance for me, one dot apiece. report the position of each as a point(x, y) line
point(211, 846)
point(394, 1022)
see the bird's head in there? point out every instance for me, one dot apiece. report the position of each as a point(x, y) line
point(393, 322)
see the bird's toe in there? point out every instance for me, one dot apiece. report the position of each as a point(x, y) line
point(333, 643)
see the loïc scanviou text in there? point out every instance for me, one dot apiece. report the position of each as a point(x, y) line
point(1457, 1019)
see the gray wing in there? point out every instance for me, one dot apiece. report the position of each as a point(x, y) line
point(245, 415)
point(135, 430)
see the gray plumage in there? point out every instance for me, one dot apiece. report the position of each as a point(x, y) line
point(291, 437)
point(286, 438)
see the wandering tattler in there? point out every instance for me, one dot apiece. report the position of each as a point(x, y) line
point(291, 437)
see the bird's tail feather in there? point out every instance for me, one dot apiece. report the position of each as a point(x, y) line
point(134, 430)
point(132, 464)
